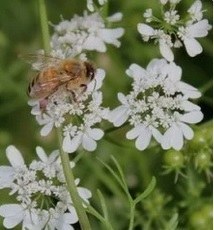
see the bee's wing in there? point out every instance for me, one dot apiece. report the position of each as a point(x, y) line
point(40, 61)
point(45, 88)
point(41, 90)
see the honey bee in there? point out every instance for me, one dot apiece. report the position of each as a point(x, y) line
point(74, 74)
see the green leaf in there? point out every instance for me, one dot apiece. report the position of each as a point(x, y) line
point(118, 179)
point(147, 192)
point(103, 204)
point(119, 170)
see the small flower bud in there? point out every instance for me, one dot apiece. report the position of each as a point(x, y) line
point(202, 138)
point(202, 218)
point(203, 160)
point(174, 159)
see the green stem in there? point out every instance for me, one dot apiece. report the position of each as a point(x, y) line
point(69, 177)
point(93, 212)
point(44, 26)
point(132, 214)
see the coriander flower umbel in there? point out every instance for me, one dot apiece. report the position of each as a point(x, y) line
point(78, 119)
point(158, 105)
point(85, 33)
point(43, 201)
point(174, 30)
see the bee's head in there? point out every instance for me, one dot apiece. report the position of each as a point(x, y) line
point(90, 70)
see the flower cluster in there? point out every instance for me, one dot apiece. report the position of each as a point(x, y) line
point(43, 199)
point(158, 105)
point(85, 33)
point(77, 118)
point(174, 30)
point(77, 115)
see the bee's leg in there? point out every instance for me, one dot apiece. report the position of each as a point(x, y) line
point(43, 103)
point(73, 96)
point(83, 88)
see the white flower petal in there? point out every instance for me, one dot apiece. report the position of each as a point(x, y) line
point(6, 176)
point(188, 90)
point(166, 139)
point(94, 43)
point(192, 117)
point(199, 29)
point(195, 7)
point(156, 134)
point(174, 72)
point(118, 116)
point(9, 210)
point(90, 5)
point(187, 131)
point(70, 145)
point(70, 218)
point(189, 106)
point(135, 132)
point(144, 29)
point(136, 72)
point(46, 129)
point(115, 17)
point(95, 133)
point(102, 2)
point(192, 46)
point(110, 36)
point(157, 65)
point(72, 210)
point(14, 156)
point(41, 154)
point(166, 51)
point(84, 193)
point(177, 140)
point(12, 221)
point(88, 143)
point(122, 98)
point(53, 156)
point(144, 139)
point(6, 171)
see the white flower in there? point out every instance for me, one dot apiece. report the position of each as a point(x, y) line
point(46, 163)
point(120, 115)
point(148, 15)
point(174, 136)
point(15, 214)
point(188, 34)
point(171, 17)
point(7, 173)
point(87, 138)
point(87, 32)
point(62, 220)
point(85, 113)
point(175, 31)
point(143, 134)
point(163, 39)
point(158, 103)
point(43, 179)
